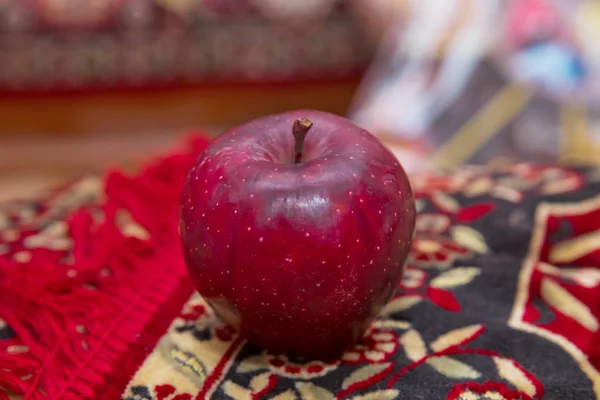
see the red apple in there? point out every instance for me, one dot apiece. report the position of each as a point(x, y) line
point(297, 243)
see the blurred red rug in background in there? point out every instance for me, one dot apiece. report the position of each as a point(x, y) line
point(500, 299)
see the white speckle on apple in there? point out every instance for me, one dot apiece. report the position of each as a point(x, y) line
point(217, 203)
point(352, 158)
point(235, 211)
point(251, 196)
point(307, 234)
point(340, 266)
point(361, 200)
point(203, 214)
point(208, 228)
point(260, 239)
point(378, 247)
point(196, 178)
point(371, 262)
point(220, 177)
point(249, 229)
point(323, 262)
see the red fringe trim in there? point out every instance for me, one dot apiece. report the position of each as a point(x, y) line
point(89, 324)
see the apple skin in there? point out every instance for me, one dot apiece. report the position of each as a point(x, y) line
point(299, 258)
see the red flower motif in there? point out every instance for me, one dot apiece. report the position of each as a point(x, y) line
point(413, 278)
point(204, 324)
point(225, 333)
point(195, 313)
point(163, 392)
point(376, 346)
point(439, 252)
point(281, 365)
point(550, 179)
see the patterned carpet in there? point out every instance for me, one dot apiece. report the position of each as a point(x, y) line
point(500, 299)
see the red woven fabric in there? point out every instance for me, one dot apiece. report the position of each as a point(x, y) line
point(86, 275)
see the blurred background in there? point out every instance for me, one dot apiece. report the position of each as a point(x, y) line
point(88, 84)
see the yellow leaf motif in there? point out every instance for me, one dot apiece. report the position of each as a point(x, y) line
point(391, 323)
point(413, 345)
point(453, 368)
point(363, 374)
point(287, 395)
point(445, 202)
point(509, 371)
point(556, 296)
point(506, 193)
point(388, 394)
point(454, 337)
point(469, 238)
point(587, 276)
point(236, 392)
point(455, 277)
point(259, 382)
point(401, 304)
point(309, 391)
point(570, 250)
point(478, 187)
point(251, 364)
point(559, 186)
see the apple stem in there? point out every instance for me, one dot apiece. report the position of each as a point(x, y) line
point(300, 129)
